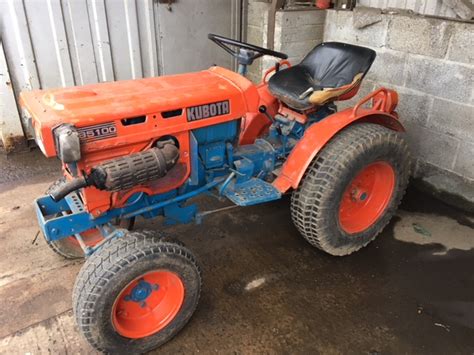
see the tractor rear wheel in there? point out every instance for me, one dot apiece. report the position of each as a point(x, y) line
point(352, 188)
point(136, 293)
point(69, 247)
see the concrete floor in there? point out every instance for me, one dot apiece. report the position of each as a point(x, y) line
point(265, 289)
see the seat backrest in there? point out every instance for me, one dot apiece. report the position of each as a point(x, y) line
point(334, 64)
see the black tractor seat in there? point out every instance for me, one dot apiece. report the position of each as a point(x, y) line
point(331, 71)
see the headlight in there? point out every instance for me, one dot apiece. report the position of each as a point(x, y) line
point(68, 145)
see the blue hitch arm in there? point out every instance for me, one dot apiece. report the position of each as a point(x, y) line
point(68, 216)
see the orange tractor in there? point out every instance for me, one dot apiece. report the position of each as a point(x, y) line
point(146, 147)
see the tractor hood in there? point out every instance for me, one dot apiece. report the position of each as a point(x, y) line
point(95, 104)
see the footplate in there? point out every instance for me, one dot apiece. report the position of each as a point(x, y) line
point(251, 192)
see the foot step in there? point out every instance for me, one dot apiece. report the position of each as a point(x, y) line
point(252, 192)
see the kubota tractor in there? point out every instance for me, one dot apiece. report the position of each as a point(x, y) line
point(146, 147)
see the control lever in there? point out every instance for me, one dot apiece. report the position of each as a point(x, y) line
point(305, 94)
point(263, 109)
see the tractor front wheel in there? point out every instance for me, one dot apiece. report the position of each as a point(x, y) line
point(136, 293)
point(352, 188)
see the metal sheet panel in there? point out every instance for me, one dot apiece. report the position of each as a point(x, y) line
point(10, 125)
point(183, 28)
point(148, 38)
point(48, 37)
point(81, 46)
point(18, 50)
point(97, 14)
point(15, 34)
point(59, 43)
point(124, 39)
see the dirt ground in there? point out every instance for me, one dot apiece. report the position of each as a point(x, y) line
point(265, 289)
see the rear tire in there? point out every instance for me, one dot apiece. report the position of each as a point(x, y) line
point(68, 247)
point(129, 284)
point(352, 188)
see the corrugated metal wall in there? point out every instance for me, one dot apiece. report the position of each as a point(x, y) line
point(425, 7)
point(55, 43)
point(9, 121)
point(58, 43)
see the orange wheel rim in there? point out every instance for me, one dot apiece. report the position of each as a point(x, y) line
point(148, 304)
point(366, 197)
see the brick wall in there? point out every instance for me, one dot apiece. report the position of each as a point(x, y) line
point(430, 62)
point(296, 33)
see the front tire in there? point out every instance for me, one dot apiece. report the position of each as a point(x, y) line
point(352, 188)
point(136, 293)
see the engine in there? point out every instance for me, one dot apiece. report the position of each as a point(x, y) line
point(126, 172)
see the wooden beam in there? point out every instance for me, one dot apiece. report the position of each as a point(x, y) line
point(275, 6)
point(462, 8)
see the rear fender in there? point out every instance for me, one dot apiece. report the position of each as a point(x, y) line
point(384, 101)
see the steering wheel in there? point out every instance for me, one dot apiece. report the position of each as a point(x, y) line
point(247, 52)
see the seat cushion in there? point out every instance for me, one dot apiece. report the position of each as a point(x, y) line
point(328, 72)
point(290, 84)
point(320, 97)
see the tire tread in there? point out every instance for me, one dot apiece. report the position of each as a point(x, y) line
point(309, 201)
point(114, 255)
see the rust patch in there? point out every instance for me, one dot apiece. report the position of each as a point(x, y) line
point(14, 144)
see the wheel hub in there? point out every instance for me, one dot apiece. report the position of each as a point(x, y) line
point(366, 197)
point(358, 195)
point(148, 304)
point(141, 291)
